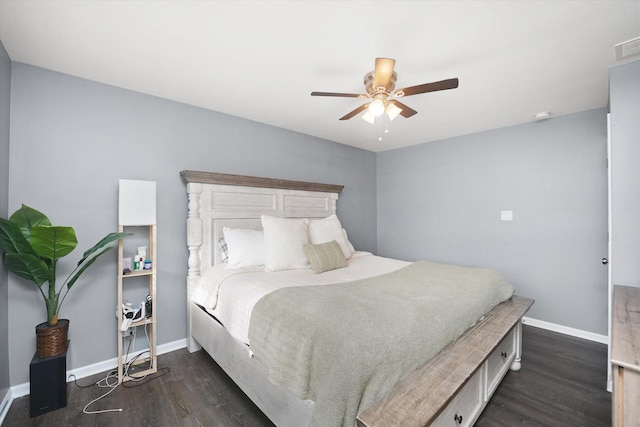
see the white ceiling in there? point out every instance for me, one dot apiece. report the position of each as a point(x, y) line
point(261, 59)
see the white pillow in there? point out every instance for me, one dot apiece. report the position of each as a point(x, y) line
point(284, 240)
point(328, 229)
point(349, 245)
point(245, 248)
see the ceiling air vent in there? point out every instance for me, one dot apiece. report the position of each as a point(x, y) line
point(627, 49)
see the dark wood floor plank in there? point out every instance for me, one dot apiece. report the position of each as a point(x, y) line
point(562, 383)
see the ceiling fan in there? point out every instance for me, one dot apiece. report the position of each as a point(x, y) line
point(380, 84)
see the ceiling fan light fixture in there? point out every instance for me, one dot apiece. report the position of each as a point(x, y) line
point(393, 110)
point(376, 107)
point(368, 117)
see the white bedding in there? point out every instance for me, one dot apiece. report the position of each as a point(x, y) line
point(230, 294)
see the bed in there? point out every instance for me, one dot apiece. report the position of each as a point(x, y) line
point(450, 386)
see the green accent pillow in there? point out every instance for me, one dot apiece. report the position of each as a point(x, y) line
point(325, 256)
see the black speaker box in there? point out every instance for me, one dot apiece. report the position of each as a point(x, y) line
point(47, 384)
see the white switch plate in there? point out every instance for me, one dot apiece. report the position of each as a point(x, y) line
point(506, 215)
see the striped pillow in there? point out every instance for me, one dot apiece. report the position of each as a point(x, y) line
point(325, 256)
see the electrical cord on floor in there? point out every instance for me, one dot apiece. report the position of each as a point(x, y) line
point(106, 381)
point(75, 382)
point(102, 411)
point(160, 373)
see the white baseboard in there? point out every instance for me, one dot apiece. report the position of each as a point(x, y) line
point(578, 333)
point(6, 404)
point(21, 390)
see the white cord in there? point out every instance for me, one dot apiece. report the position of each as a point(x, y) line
point(84, 410)
point(104, 382)
point(130, 364)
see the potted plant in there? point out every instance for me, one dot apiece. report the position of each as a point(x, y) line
point(32, 248)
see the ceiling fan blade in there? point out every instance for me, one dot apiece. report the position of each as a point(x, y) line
point(383, 72)
point(427, 87)
point(345, 95)
point(354, 112)
point(406, 110)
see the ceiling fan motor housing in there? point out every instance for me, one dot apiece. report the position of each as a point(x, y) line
point(370, 80)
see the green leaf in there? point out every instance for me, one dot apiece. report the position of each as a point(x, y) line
point(11, 239)
point(28, 267)
point(53, 242)
point(103, 242)
point(26, 218)
point(86, 265)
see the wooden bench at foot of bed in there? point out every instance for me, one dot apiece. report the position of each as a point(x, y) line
point(454, 387)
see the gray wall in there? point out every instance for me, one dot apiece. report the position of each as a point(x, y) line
point(5, 102)
point(625, 170)
point(73, 139)
point(442, 201)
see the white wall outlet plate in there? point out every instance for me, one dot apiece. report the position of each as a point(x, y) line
point(506, 215)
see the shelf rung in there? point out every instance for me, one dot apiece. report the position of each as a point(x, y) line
point(139, 375)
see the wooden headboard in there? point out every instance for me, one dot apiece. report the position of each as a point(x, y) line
point(222, 200)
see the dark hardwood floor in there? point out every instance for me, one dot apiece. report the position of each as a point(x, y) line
point(562, 383)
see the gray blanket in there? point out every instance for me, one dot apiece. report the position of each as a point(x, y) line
point(345, 345)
